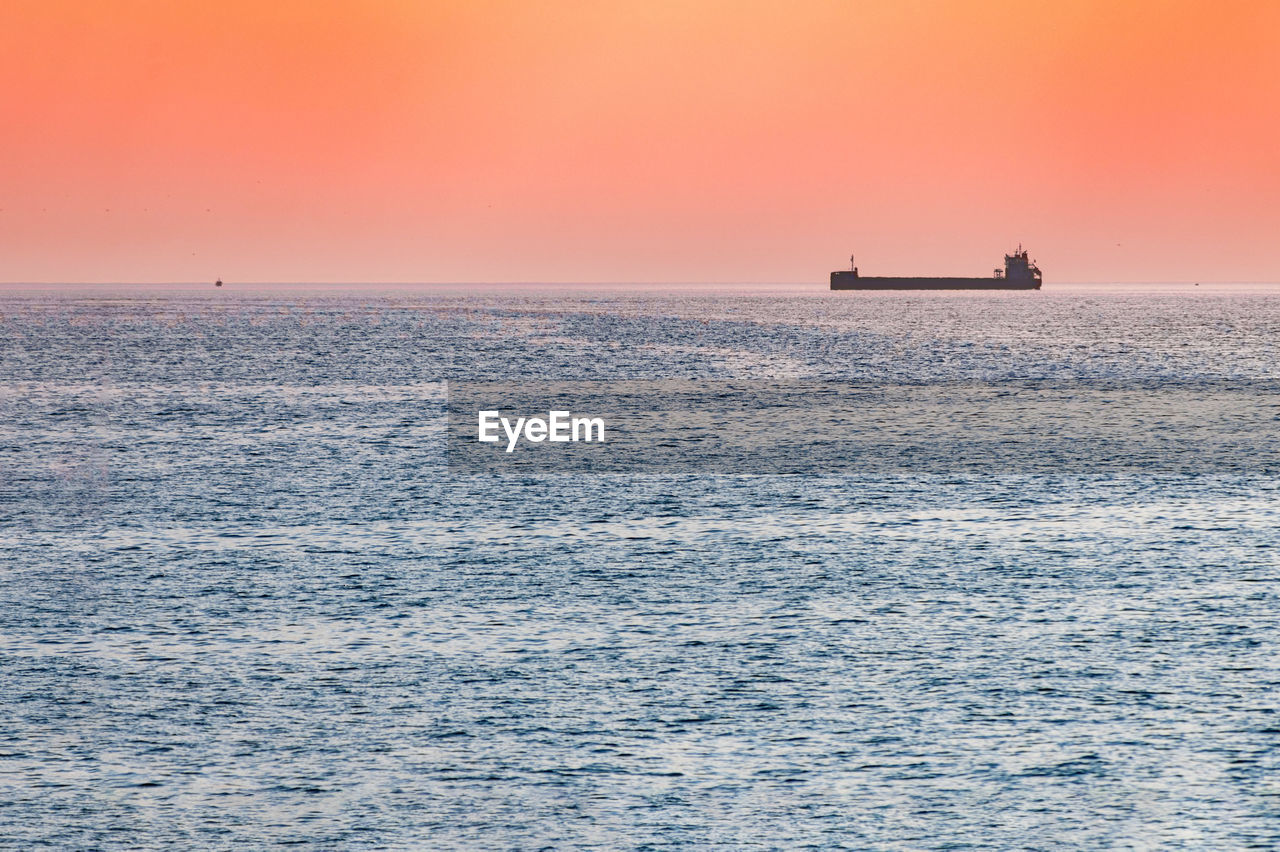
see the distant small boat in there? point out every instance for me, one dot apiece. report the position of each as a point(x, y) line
point(218, 283)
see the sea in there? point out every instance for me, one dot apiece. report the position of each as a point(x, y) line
point(246, 602)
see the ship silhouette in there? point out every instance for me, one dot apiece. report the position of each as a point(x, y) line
point(1019, 273)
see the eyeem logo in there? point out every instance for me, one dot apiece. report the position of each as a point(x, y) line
point(559, 427)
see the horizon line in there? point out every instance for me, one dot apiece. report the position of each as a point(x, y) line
point(549, 283)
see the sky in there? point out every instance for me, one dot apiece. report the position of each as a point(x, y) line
point(637, 140)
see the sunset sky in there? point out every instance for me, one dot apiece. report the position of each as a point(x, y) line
point(636, 140)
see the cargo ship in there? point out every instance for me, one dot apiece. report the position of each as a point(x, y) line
point(1019, 273)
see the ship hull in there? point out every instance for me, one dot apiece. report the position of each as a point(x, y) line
point(847, 280)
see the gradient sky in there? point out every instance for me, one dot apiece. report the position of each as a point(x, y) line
point(636, 140)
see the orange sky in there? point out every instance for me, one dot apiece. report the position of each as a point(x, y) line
point(636, 140)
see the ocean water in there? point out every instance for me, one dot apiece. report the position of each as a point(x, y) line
point(245, 603)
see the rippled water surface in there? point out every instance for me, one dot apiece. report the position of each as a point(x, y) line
point(244, 603)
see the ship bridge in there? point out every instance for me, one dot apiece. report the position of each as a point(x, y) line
point(1019, 267)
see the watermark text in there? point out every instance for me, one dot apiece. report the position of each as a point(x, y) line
point(558, 427)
